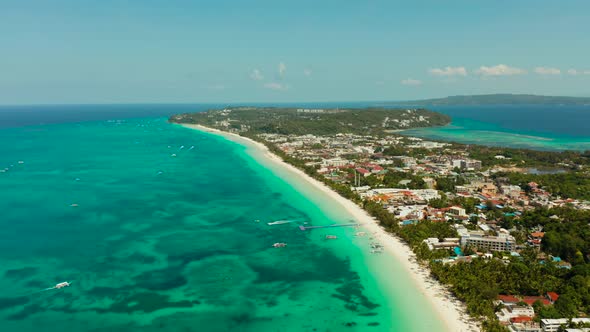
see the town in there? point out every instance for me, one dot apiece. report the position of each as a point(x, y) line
point(457, 212)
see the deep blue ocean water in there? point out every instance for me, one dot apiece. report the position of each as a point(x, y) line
point(541, 127)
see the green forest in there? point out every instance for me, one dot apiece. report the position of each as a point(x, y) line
point(287, 121)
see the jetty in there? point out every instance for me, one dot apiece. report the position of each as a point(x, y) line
point(304, 228)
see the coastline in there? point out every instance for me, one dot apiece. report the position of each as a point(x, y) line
point(451, 311)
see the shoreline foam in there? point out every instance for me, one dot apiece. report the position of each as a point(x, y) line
point(450, 310)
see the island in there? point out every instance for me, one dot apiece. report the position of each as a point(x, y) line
point(504, 230)
point(498, 99)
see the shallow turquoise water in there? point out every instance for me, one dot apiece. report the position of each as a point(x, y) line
point(540, 127)
point(169, 243)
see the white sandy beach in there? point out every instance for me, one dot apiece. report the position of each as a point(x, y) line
point(451, 311)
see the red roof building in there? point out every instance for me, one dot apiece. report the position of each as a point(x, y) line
point(508, 299)
point(362, 171)
point(532, 299)
point(552, 296)
point(521, 319)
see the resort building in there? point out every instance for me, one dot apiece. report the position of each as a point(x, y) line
point(552, 325)
point(486, 242)
point(510, 312)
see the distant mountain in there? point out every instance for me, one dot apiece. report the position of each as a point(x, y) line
point(498, 99)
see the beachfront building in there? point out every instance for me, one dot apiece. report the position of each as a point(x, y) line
point(524, 324)
point(510, 312)
point(552, 325)
point(479, 240)
point(446, 243)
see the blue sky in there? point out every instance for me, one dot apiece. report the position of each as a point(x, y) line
point(112, 51)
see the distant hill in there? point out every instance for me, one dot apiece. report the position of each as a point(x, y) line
point(498, 99)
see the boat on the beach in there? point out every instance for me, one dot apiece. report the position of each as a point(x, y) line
point(279, 245)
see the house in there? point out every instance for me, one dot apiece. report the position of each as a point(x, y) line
point(507, 299)
point(363, 171)
point(530, 300)
point(489, 189)
point(552, 297)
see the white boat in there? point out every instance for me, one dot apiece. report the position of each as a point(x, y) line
point(280, 222)
point(331, 237)
point(279, 245)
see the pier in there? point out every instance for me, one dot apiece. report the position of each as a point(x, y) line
point(304, 228)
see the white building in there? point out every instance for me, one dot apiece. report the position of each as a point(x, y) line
point(552, 325)
point(486, 242)
point(457, 211)
point(336, 162)
point(510, 312)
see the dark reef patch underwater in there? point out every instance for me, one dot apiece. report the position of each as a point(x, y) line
point(155, 237)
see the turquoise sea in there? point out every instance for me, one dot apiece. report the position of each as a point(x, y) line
point(539, 127)
point(156, 227)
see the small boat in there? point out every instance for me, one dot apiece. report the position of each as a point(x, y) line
point(279, 245)
point(280, 222)
point(331, 237)
point(21, 162)
point(74, 205)
point(257, 220)
point(62, 285)
point(173, 155)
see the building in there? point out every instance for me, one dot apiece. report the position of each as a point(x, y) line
point(510, 312)
point(467, 164)
point(524, 325)
point(552, 325)
point(447, 243)
point(430, 182)
point(457, 211)
point(486, 242)
point(337, 162)
point(489, 189)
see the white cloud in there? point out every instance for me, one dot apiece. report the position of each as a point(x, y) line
point(282, 69)
point(499, 70)
point(547, 71)
point(276, 86)
point(256, 75)
point(411, 81)
point(449, 71)
point(307, 72)
point(575, 72)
